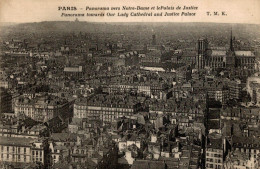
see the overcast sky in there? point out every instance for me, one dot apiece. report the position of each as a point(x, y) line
point(238, 11)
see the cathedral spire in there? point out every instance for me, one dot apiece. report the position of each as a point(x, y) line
point(231, 41)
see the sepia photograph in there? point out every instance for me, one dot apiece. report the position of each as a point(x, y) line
point(137, 84)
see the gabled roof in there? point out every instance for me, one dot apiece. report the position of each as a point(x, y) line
point(73, 69)
point(244, 53)
point(145, 164)
point(218, 53)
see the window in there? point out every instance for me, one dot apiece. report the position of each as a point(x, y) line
point(24, 150)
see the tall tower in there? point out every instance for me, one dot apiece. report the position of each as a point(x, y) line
point(231, 47)
point(231, 58)
point(201, 56)
point(154, 39)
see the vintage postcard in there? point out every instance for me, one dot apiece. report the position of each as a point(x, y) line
point(129, 84)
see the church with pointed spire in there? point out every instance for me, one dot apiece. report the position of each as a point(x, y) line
point(236, 61)
point(230, 56)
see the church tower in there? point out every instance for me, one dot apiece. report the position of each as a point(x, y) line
point(153, 39)
point(231, 47)
point(231, 58)
point(201, 55)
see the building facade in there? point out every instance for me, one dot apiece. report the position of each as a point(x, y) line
point(16, 150)
point(41, 108)
point(214, 154)
point(108, 111)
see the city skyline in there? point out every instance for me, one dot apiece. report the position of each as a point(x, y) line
point(129, 95)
